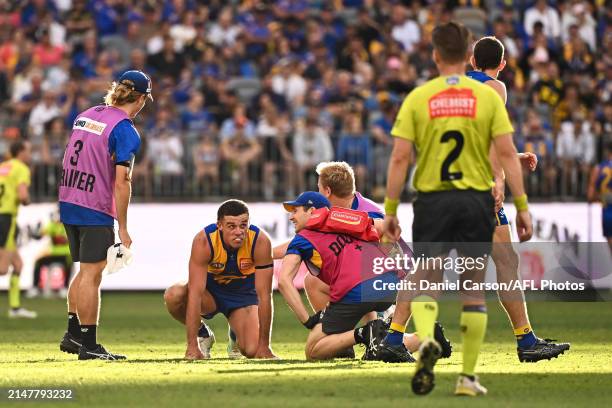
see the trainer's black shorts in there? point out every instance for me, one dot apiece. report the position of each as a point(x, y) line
point(89, 243)
point(461, 219)
point(342, 317)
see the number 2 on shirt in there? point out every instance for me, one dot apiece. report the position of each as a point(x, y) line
point(446, 174)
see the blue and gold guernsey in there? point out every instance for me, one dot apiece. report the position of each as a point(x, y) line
point(500, 217)
point(603, 184)
point(231, 272)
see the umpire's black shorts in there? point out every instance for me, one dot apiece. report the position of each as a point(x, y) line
point(89, 243)
point(460, 219)
point(342, 317)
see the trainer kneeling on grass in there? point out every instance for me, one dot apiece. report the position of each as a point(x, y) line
point(230, 272)
point(343, 262)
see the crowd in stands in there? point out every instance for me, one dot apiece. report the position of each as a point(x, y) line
point(250, 95)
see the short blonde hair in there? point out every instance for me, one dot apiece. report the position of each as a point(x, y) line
point(121, 94)
point(338, 176)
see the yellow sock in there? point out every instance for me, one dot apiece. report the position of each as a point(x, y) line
point(14, 291)
point(473, 327)
point(522, 330)
point(424, 314)
point(398, 327)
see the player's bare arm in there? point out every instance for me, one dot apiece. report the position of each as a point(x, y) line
point(401, 156)
point(263, 286)
point(289, 270)
point(508, 157)
point(499, 178)
point(198, 269)
point(123, 192)
point(280, 250)
point(500, 88)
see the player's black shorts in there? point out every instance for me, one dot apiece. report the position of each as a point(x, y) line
point(461, 219)
point(342, 317)
point(89, 243)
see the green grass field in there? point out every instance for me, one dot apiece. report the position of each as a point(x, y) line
point(155, 374)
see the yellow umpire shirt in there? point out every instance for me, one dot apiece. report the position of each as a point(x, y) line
point(13, 172)
point(452, 120)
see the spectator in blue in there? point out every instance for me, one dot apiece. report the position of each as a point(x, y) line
point(35, 11)
point(291, 8)
point(257, 31)
point(354, 147)
point(106, 17)
point(85, 56)
point(240, 121)
point(537, 140)
point(333, 27)
point(195, 120)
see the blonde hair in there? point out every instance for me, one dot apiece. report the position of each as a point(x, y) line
point(338, 176)
point(121, 93)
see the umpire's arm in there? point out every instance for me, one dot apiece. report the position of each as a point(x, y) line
point(400, 159)
point(198, 269)
point(264, 271)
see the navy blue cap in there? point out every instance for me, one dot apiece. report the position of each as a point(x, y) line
point(138, 81)
point(308, 199)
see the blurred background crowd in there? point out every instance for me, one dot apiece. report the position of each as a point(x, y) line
point(251, 95)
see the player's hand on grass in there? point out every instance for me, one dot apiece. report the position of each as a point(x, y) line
point(529, 160)
point(524, 228)
point(391, 229)
point(265, 352)
point(194, 353)
point(124, 237)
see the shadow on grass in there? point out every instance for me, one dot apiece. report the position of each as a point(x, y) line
point(301, 368)
point(389, 389)
point(212, 361)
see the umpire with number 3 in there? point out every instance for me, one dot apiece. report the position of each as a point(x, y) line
point(94, 190)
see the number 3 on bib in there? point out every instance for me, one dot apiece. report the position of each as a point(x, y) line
point(445, 173)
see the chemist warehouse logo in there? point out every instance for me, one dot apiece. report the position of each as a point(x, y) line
point(345, 218)
point(453, 102)
point(89, 125)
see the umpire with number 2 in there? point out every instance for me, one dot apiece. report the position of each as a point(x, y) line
point(94, 190)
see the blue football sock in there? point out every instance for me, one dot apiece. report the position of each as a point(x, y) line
point(526, 340)
point(394, 337)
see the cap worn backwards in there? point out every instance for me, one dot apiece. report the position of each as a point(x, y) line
point(137, 81)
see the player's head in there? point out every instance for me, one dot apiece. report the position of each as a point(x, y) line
point(130, 91)
point(450, 43)
point(233, 222)
point(488, 55)
point(336, 179)
point(22, 150)
point(301, 208)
